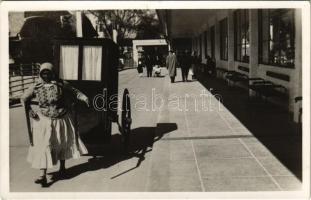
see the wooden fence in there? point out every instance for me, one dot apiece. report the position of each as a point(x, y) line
point(21, 76)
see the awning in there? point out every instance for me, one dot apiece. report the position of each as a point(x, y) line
point(183, 23)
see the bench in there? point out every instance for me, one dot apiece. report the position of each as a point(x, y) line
point(242, 68)
point(236, 77)
point(268, 89)
point(221, 71)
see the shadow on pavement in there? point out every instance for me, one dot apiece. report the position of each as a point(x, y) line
point(141, 142)
point(188, 81)
point(269, 123)
point(159, 76)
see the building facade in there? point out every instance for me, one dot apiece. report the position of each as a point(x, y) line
point(260, 43)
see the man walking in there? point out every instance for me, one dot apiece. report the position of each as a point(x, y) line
point(149, 65)
point(185, 64)
point(171, 62)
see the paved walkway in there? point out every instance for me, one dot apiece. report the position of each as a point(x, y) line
point(192, 143)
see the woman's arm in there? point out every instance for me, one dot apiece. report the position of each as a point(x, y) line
point(77, 93)
point(28, 95)
point(25, 101)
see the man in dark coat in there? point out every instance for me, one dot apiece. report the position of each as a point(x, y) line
point(171, 62)
point(149, 65)
point(185, 64)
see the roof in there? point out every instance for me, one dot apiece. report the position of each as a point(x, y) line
point(46, 27)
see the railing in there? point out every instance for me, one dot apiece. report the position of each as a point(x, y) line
point(21, 76)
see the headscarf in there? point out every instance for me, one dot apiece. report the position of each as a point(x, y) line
point(50, 67)
point(46, 66)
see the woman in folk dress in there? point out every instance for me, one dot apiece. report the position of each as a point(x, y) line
point(54, 136)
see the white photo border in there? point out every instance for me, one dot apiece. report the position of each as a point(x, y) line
point(10, 6)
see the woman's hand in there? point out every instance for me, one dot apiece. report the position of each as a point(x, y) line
point(87, 102)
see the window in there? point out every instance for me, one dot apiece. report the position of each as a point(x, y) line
point(69, 58)
point(241, 34)
point(92, 63)
point(212, 41)
point(224, 39)
point(277, 37)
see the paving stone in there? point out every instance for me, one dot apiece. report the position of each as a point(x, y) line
point(289, 183)
point(214, 141)
point(185, 184)
point(221, 151)
point(234, 184)
point(276, 168)
point(183, 168)
point(230, 167)
point(274, 146)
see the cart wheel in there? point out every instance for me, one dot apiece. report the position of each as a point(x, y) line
point(126, 119)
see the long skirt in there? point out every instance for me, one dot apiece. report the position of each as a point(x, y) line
point(54, 139)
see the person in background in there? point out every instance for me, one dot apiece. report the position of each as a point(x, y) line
point(140, 69)
point(171, 62)
point(211, 66)
point(187, 64)
point(182, 63)
point(148, 63)
point(54, 133)
point(193, 64)
point(157, 71)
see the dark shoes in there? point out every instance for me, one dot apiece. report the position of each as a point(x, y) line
point(43, 181)
point(62, 174)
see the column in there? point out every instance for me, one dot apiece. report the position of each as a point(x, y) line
point(296, 82)
point(230, 40)
point(203, 69)
point(203, 47)
point(217, 41)
point(253, 37)
point(79, 32)
point(135, 55)
point(197, 44)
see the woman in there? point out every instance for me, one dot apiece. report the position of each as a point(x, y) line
point(54, 136)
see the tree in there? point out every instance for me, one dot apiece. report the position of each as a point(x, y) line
point(149, 27)
point(128, 23)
